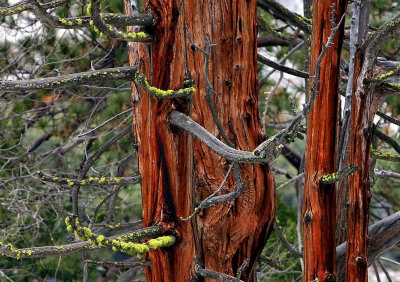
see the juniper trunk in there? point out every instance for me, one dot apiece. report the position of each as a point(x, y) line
point(364, 104)
point(319, 201)
point(177, 170)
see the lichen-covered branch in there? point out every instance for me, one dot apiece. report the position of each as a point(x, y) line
point(75, 79)
point(374, 43)
point(26, 5)
point(384, 156)
point(40, 11)
point(33, 252)
point(122, 243)
point(107, 30)
point(141, 81)
point(340, 175)
point(90, 180)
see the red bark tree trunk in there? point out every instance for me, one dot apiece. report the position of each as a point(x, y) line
point(175, 169)
point(364, 104)
point(319, 203)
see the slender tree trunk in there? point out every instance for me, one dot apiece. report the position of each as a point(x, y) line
point(365, 102)
point(319, 203)
point(176, 170)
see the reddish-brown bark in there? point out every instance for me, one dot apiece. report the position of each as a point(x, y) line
point(319, 206)
point(365, 102)
point(174, 168)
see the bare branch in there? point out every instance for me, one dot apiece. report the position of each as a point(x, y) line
point(285, 242)
point(202, 272)
point(388, 118)
point(280, 67)
point(385, 173)
point(117, 264)
point(387, 139)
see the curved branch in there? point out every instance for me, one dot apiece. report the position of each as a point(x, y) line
point(184, 122)
point(141, 81)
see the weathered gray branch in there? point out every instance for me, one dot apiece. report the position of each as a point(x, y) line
point(385, 173)
point(184, 122)
point(202, 272)
point(75, 79)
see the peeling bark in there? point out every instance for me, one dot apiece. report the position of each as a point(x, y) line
point(174, 169)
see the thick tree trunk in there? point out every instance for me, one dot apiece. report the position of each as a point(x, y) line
point(319, 206)
point(174, 168)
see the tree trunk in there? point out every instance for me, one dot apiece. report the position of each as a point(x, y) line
point(175, 169)
point(365, 102)
point(319, 203)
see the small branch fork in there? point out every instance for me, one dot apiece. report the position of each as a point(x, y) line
point(102, 22)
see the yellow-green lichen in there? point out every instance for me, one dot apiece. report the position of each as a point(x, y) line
point(385, 75)
point(158, 93)
point(385, 156)
point(160, 242)
point(89, 8)
point(394, 85)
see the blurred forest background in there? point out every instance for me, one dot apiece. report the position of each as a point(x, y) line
point(56, 131)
